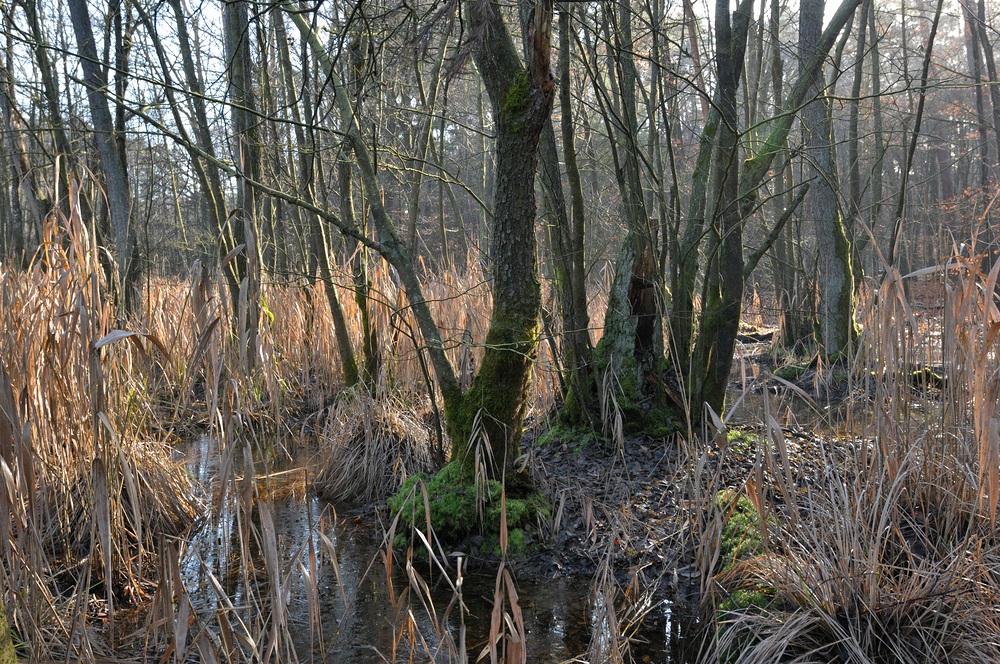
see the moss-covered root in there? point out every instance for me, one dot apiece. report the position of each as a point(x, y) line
point(457, 513)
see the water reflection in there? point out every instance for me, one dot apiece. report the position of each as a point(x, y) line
point(350, 613)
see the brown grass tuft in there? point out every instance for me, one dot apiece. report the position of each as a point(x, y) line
point(371, 446)
point(896, 558)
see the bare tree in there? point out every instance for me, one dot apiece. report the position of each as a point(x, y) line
point(110, 151)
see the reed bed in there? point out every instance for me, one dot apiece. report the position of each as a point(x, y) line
point(87, 492)
point(97, 558)
point(894, 557)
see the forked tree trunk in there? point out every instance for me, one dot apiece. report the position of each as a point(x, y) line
point(709, 371)
point(723, 290)
point(521, 100)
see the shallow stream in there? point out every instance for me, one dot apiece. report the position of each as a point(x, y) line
point(354, 604)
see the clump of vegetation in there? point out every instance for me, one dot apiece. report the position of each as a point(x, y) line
point(843, 588)
point(88, 494)
point(370, 446)
point(740, 541)
point(457, 511)
point(897, 559)
point(741, 531)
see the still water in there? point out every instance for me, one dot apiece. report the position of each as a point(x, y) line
point(351, 614)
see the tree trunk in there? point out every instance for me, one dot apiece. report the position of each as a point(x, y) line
point(632, 345)
point(720, 316)
point(247, 158)
point(836, 292)
point(521, 101)
point(50, 91)
point(19, 172)
point(988, 235)
point(897, 232)
point(209, 177)
point(565, 237)
point(111, 156)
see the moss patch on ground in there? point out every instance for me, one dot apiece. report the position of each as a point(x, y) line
point(741, 533)
point(740, 540)
point(458, 514)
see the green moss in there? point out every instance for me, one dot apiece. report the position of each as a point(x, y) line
point(517, 545)
point(576, 437)
point(761, 597)
point(516, 101)
point(741, 534)
point(555, 434)
point(791, 372)
point(740, 540)
point(7, 655)
point(455, 514)
point(742, 441)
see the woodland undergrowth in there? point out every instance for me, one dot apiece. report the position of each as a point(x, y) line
point(889, 556)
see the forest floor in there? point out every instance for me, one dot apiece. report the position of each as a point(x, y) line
point(640, 502)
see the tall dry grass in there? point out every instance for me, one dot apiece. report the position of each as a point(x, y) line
point(97, 556)
point(894, 557)
point(86, 494)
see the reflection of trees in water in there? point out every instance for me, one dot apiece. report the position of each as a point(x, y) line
point(348, 612)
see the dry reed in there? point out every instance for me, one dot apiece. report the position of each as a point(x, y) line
point(894, 558)
point(88, 495)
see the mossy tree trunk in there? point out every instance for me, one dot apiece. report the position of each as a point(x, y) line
point(723, 289)
point(632, 345)
point(521, 99)
point(836, 292)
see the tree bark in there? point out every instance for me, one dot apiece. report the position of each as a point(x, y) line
point(50, 91)
point(836, 282)
point(632, 345)
point(578, 317)
point(712, 364)
point(109, 152)
point(720, 315)
point(247, 158)
point(521, 99)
